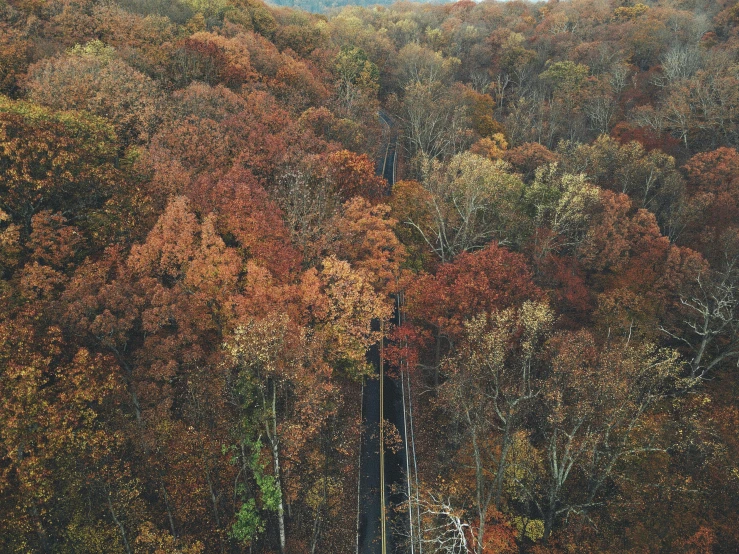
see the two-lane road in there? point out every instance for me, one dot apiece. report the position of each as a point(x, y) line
point(382, 479)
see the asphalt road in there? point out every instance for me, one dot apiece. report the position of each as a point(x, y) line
point(369, 526)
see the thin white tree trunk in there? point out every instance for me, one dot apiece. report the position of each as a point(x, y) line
point(276, 459)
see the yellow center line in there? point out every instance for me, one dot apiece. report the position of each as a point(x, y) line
point(382, 442)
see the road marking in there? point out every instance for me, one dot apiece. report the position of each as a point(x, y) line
point(359, 470)
point(382, 440)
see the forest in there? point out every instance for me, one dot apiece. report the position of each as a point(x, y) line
point(195, 243)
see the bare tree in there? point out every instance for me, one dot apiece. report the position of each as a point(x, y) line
point(680, 62)
point(481, 81)
point(434, 122)
point(619, 77)
point(710, 326)
point(601, 111)
point(445, 530)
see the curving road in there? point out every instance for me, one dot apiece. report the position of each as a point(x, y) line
point(382, 480)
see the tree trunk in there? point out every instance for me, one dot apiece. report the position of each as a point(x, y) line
point(214, 501)
point(548, 524)
point(498, 484)
point(316, 531)
point(480, 492)
point(437, 359)
point(170, 516)
point(272, 433)
point(213, 498)
point(551, 513)
point(120, 526)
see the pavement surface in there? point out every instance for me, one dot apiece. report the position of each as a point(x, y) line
point(369, 526)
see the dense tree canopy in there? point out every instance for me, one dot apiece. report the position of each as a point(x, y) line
point(197, 248)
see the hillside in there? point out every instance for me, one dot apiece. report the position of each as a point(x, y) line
point(324, 6)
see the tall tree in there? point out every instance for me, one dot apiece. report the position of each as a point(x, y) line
point(461, 205)
point(495, 380)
